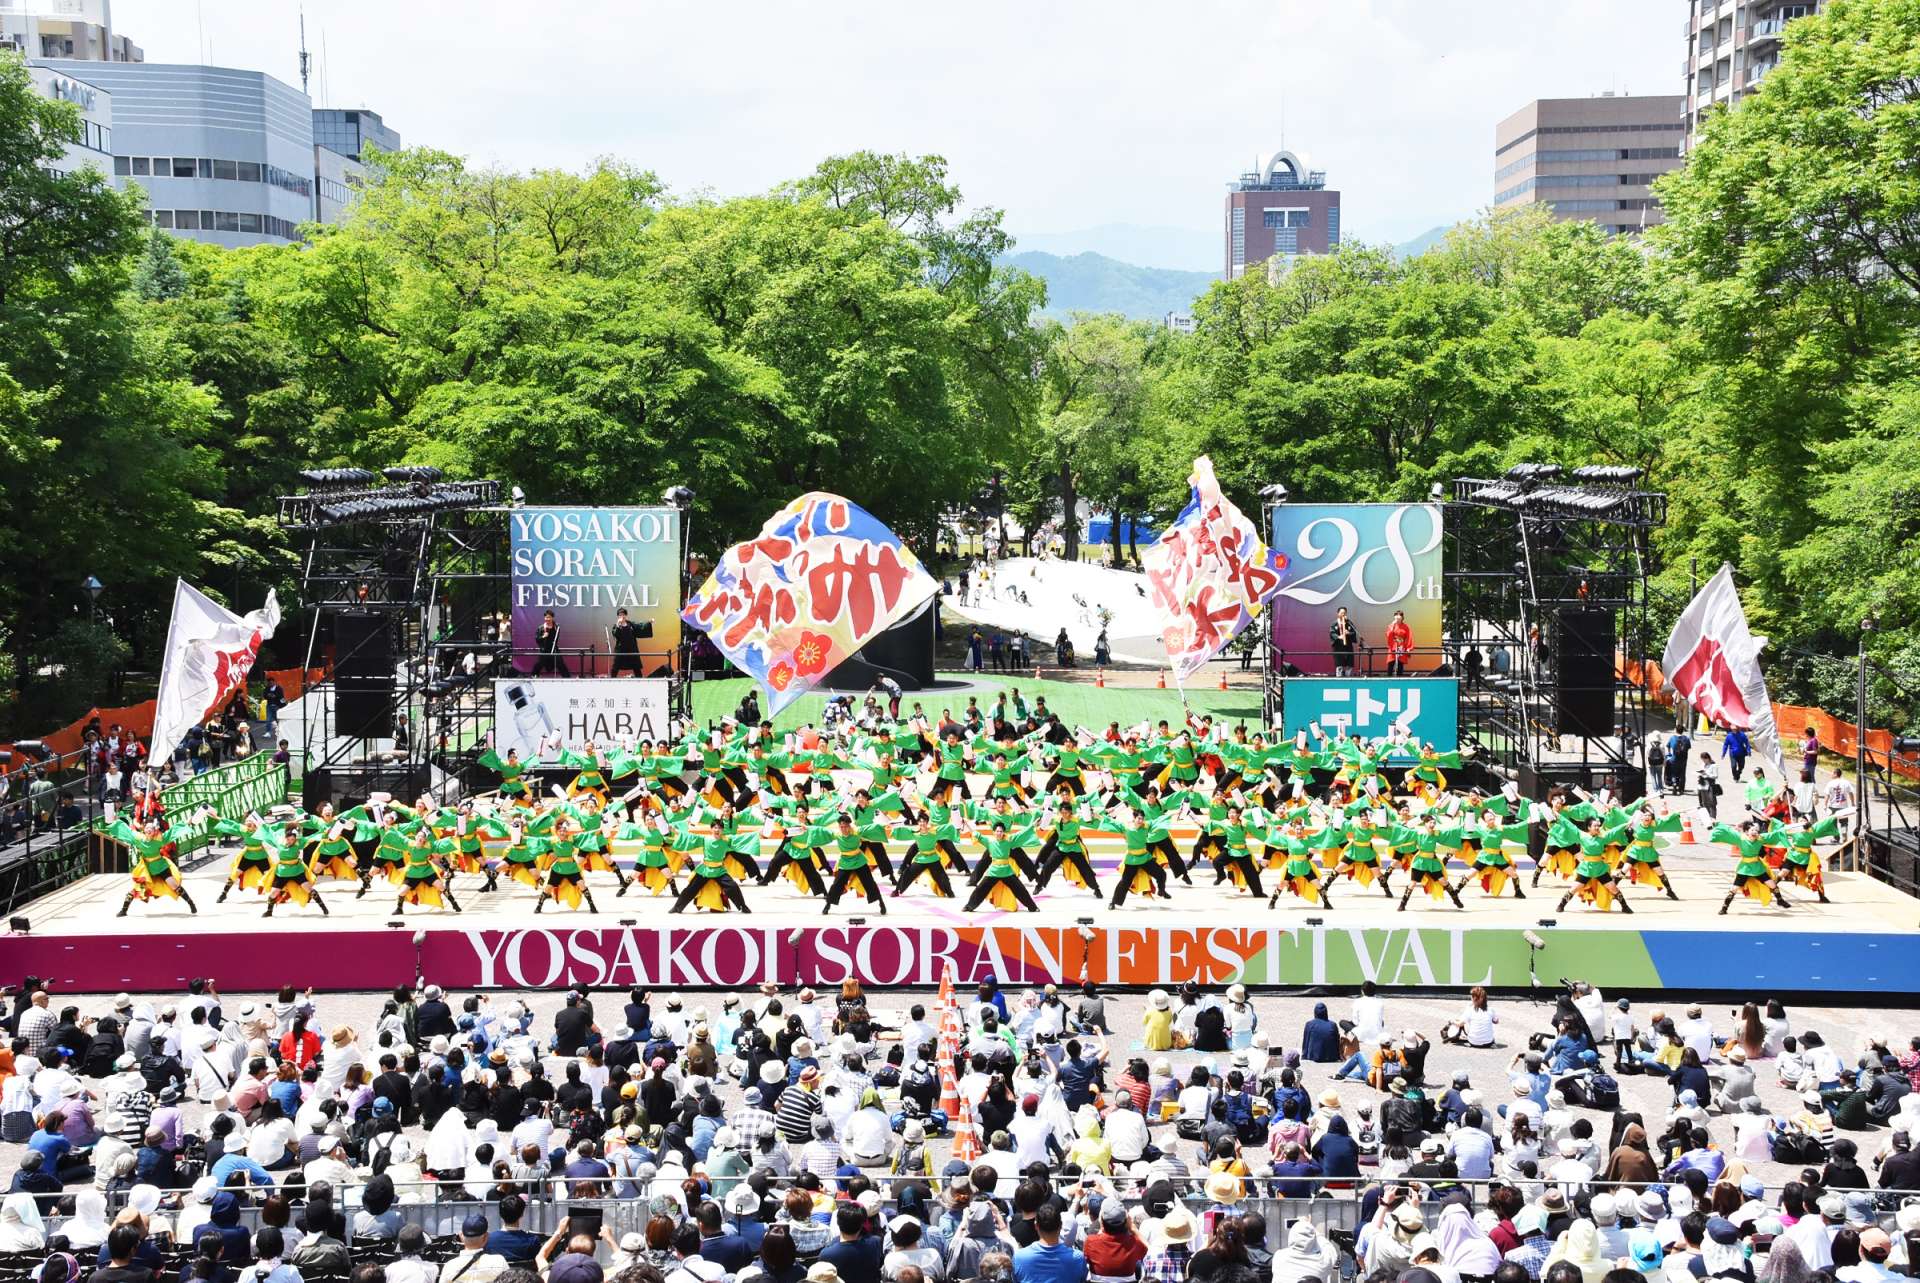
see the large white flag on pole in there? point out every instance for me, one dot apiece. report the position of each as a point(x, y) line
point(210, 651)
point(1712, 662)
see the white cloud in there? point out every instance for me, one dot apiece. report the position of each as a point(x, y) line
point(1065, 113)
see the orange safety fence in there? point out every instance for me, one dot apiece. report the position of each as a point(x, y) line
point(1790, 720)
point(138, 718)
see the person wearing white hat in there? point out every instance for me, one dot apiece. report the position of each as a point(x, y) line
point(1156, 1023)
point(1241, 1018)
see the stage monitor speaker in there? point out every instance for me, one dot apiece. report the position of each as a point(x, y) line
point(363, 708)
point(1583, 677)
point(362, 646)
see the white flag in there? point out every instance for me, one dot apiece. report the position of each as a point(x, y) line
point(1712, 662)
point(210, 651)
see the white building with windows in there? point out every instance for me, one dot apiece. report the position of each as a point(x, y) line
point(94, 143)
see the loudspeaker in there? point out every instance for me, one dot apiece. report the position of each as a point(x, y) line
point(362, 645)
point(1583, 674)
point(363, 708)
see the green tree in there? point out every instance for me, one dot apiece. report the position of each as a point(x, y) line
point(159, 275)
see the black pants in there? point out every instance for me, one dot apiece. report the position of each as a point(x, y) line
point(1154, 871)
point(804, 861)
point(1396, 667)
point(864, 876)
point(911, 871)
point(550, 663)
point(728, 887)
point(1020, 862)
point(878, 854)
point(1051, 864)
point(625, 663)
point(985, 889)
point(1245, 864)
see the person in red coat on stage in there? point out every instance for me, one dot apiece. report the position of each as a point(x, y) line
point(1399, 645)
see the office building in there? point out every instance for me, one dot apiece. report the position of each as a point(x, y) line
point(1592, 158)
point(223, 155)
point(77, 29)
point(1731, 46)
point(346, 131)
point(1180, 322)
point(93, 145)
point(1280, 211)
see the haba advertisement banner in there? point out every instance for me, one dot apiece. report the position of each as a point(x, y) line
point(584, 566)
point(740, 954)
point(1371, 707)
point(570, 712)
point(1372, 558)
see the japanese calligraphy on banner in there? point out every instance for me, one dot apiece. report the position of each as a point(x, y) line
point(1210, 574)
point(1370, 707)
point(821, 580)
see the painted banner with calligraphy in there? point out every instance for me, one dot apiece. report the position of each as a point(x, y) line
point(821, 580)
point(1211, 574)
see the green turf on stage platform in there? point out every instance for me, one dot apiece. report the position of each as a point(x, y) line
point(1078, 703)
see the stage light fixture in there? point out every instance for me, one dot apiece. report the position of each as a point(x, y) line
point(19, 926)
point(858, 922)
point(1316, 922)
point(1275, 493)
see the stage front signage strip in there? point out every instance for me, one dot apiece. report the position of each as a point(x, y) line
point(1371, 707)
point(570, 711)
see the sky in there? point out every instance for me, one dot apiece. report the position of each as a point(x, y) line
point(1067, 114)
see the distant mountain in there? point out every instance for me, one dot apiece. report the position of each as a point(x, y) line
point(1184, 249)
point(1096, 283)
point(1422, 243)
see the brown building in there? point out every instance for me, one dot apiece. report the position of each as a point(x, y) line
point(1731, 45)
point(1592, 158)
point(1284, 209)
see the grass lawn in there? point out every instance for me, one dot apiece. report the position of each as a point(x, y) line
point(1076, 702)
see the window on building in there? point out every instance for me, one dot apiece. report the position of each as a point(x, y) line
point(250, 222)
point(1299, 218)
point(223, 169)
point(183, 167)
point(1333, 228)
point(249, 171)
point(226, 221)
point(142, 167)
point(203, 168)
point(162, 166)
point(163, 218)
point(187, 220)
point(122, 165)
point(206, 220)
point(1286, 241)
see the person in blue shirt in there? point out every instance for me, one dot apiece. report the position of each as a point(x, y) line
point(1320, 1038)
point(1295, 1164)
point(1047, 1259)
point(1736, 748)
point(236, 1160)
point(718, 1242)
point(857, 1254)
point(990, 992)
point(1078, 1074)
point(1699, 1157)
point(1336, 1152)
point(511, 1243)
point(50, 1144)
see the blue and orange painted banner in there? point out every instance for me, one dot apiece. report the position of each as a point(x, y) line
point(1210, 572)
point(822, 579)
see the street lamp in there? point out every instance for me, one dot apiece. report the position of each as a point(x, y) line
point(92, 587)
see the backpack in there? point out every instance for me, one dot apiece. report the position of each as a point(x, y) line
point(1797, 1147)
point(1603, 1092)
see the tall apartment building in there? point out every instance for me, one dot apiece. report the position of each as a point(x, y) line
point(1592, 158)
point(347, 131)
point(1731, 46)
point(80, 29)
point(1282, 211)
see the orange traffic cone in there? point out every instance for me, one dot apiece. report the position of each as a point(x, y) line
point(1686, 827)
point(1223, 679)
point(1162, 680)
point(1100, 677)
point(966, 1144)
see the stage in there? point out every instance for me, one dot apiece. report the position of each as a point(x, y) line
point(1867, 941)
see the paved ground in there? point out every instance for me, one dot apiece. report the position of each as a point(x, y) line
point(1845, 1029)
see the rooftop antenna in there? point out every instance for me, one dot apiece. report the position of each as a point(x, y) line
point(306, 59)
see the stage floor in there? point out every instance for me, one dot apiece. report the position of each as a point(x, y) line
point(88, 907)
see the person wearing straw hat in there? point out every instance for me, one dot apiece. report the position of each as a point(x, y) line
point(1156, 1023)
point(1172, 1248)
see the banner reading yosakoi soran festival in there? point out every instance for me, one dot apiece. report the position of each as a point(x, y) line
point(585, 565)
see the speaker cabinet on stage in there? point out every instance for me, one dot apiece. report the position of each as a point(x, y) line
point(1583, 677)
point(363, 685)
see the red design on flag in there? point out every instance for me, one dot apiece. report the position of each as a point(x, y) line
point(1712, 661)
point(1706, 681)
point(210, 651)
point(1210, 574)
